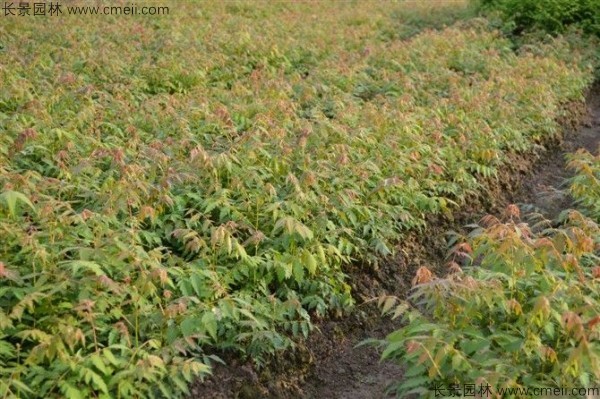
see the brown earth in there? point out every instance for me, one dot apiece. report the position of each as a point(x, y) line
point(544, 190)
point(328, 365)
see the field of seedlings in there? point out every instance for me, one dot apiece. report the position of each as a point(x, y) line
point(178, 187)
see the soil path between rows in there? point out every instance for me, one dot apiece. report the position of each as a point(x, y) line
point(329, 365)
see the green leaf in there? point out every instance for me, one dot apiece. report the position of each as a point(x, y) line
point(110, 357)
point(20, 386)
point(209, 321)
point(417, 382)
point(584, 379)
point(96, 379)
point(309, 262)
point(197, 284)
point(190, 326)
point(76, 265)
point(97, 361)
point(471, 346)
point(70, 391)
point(12, 198)
point(298, 271)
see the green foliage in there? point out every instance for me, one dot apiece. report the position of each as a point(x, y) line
point(523, 313)
point(585, 185)
point(199, 186)
point(552, 16)
point(416, 16)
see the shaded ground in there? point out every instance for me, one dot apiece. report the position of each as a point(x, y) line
point(327, 365)
point(544, 190)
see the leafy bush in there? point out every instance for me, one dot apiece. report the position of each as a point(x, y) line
point(522, 313)
point(585, 185)
point(553, 16)
point(198, 186)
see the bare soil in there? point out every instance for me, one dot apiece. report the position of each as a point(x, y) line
point(544, 190)
point(329, 365)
